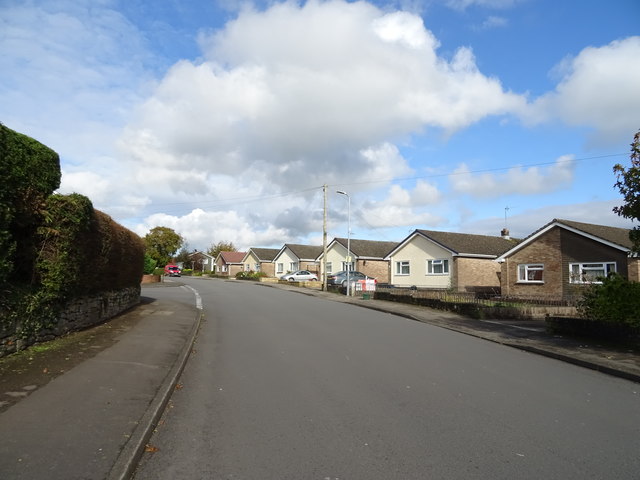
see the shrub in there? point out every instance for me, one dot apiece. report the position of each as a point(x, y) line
point(31, 172)
point(251, 275)
point(616, 300)
point(149, 264)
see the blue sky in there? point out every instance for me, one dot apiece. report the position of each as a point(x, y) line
point(223, 119)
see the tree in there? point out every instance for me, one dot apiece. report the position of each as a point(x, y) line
point(162, 243)
point(628, 182)
point(216, 248)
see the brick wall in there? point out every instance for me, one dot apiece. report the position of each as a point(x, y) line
point(633, 267)
point(471, 274)
point(545, 250)
point(378, 269)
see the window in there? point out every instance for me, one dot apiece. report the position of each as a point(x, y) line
point(280, 268)
point(329, 267)
point(347, 266)
point(257, 267)
point(531, 273)
point(402, 268)
point(293, 266)
point(438, 267)
point(590, 272)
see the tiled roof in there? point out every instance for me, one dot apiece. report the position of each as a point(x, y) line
point(265, 254)
point(368, 248)
point(232, 257)
point(619, 236)
point(305, 252)
point(470, 244)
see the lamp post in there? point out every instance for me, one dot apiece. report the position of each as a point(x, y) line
point(348, 265)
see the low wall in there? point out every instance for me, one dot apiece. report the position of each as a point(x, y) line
point(79, 314)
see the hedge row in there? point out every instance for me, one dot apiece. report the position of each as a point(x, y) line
point(53, 248)
point(30, 173)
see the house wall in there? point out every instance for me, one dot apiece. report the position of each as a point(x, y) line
point(268, 268)
point(337, 255)
point(633, 267)
point(473, 274)
point(556, 249)
point(378, 269)
point(221, 267)
point(576, 248)
point(417, 251)
point(286, 257)
point(250, 261)
point(545, 250)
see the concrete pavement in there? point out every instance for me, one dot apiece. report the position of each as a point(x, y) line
point(93, 421)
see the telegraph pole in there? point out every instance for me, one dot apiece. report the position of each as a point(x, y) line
point(324, 240)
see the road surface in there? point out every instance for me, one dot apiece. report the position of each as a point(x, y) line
point(283, 385)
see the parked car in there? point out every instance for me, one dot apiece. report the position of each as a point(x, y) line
point(340, 278)
point(172, 270)
point(299, 276)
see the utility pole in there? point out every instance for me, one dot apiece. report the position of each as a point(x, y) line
point(324, 240)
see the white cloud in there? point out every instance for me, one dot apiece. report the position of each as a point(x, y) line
point(311, 94)
point(464, 4)
point(403, 207)
point(599, 89)
point(201, 229)
point(522, 181)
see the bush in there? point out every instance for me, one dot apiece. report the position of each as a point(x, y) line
point(251, 275)
point(31, 172)
point(149, 264)
point(616, 300)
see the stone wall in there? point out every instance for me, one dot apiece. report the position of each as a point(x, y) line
point(78, 314)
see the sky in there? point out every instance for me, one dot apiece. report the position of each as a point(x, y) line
point(224, 119)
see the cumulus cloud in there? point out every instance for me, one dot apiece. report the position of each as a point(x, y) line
point(523, 181)
point(599, 89)
point(203, 228)
point(310, 94)
point(403, 207)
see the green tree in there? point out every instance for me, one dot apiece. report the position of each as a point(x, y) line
point(628, 182)
point(162, 243)
point(183, 256)
point(216, 248)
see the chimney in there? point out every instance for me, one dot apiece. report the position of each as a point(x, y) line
point(504, 233)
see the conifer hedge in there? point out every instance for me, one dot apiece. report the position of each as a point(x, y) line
point(53, 248)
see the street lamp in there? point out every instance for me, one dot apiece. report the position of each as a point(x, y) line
point(348, 265)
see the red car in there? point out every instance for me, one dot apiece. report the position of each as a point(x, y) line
point(172, 270)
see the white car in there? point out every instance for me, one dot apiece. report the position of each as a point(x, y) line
point(299, 276)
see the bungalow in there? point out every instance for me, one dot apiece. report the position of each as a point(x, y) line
point(445, 260)
point(563, 256)
point(202, 261)
point(292, 257)
point(260, 260)
point(367, 256)
point(229, 263)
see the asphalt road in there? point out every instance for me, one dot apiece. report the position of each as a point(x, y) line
point(282, 385)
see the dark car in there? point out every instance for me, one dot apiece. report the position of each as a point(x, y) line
point(172, 270)
point(340, 278)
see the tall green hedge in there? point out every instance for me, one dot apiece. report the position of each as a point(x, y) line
point(30, 173)
point(53, 248)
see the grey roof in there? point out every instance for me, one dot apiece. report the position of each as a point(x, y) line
point(368, 248)
point(619, 236)
point(265, 254)
point(470, 244)
point(304, 252)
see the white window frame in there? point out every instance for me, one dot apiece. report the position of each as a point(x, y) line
point(438, 262)
point(293, 266)
point(400, 265)
point(525, 271)
point(581, 276)
point(329, 267)
point(280, 267)
point(257, 267)
point(347, 266)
